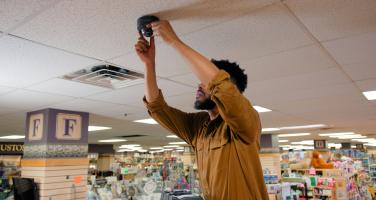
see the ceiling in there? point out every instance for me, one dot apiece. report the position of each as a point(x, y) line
point(307, 60)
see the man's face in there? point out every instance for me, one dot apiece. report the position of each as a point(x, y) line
point(203, 101)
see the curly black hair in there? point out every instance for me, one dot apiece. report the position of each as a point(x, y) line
point(237, 74)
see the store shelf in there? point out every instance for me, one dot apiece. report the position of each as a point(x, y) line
point(293, 180)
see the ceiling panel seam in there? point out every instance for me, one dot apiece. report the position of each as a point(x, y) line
point(317, 42)
point(56, 48)
point(177, 82)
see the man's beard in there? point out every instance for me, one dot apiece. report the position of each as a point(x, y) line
point(207, 104)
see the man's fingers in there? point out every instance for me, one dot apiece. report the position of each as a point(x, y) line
point(152, 42)
point(141, 47)
point(138, 49)
point(144, 42)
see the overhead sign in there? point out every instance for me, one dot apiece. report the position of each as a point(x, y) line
point(36, 124)
point(359, 146)
point(68, 126)
point(57, 126)
point(7, 148)
point(319, 144)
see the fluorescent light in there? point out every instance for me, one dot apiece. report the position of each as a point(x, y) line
point(334, 145)
point(293, 134)
point(135, 148)
point(177, 143)
point(280, 141)
point(154, 148)
point(168, 149)
point(129, 146)
point(369, 140)
point(336, 134)
point(159, 151)
point(370, 95)
point(270, 129)
point(98, 128)
point(370, 144)
point(305, 142)
point(180, 150)
point(126, 150)
point(302, 127)
point(171, 146)
point(142, 150)
point(113, 140)
point(348, 136)
point(261, 109)
point(301, 147)
point(12, 137)
point(172, 136)
point(146, 121)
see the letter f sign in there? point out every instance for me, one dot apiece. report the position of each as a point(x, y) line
point(36, 123)
point(70, 125)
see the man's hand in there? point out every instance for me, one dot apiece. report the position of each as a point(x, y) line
point(146, 51)
point(164, 30)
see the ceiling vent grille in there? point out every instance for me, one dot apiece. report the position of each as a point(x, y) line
point(108, 76)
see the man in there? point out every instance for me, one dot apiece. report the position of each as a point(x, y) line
point(226, 137)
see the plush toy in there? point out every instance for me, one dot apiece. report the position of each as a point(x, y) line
point(319, 163)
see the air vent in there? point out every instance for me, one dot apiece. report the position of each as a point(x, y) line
point(132, 136)
point(108, 76)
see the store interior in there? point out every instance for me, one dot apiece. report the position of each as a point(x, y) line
point(311, 69)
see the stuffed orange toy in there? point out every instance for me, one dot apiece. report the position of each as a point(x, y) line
point(319, 163)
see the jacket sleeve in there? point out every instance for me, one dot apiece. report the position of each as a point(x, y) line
point(234, 108)
point(184, 125)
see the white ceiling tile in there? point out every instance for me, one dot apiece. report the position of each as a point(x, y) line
point(168, 61)
point(99, 108)
point(121, 96)
point(68, 88)
point(5, 110)
point(360, 71)
point(367, 85)
point(29, 100)
point(183, 101)
point(276, 119)
point(355, 49)
point(4, 89)
point(133, 117)
point(286, 88)
point(105, 29)
point(133, 94)
point(342, 116)
point(255, 34)
point(266, 31)
point(335, 18)
point(13, 12)
point(188, 79)
point(294, 62)
point(273, 98)
point(24, 63)
point(326, 104)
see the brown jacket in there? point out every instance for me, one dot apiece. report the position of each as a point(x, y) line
point(226, 147)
